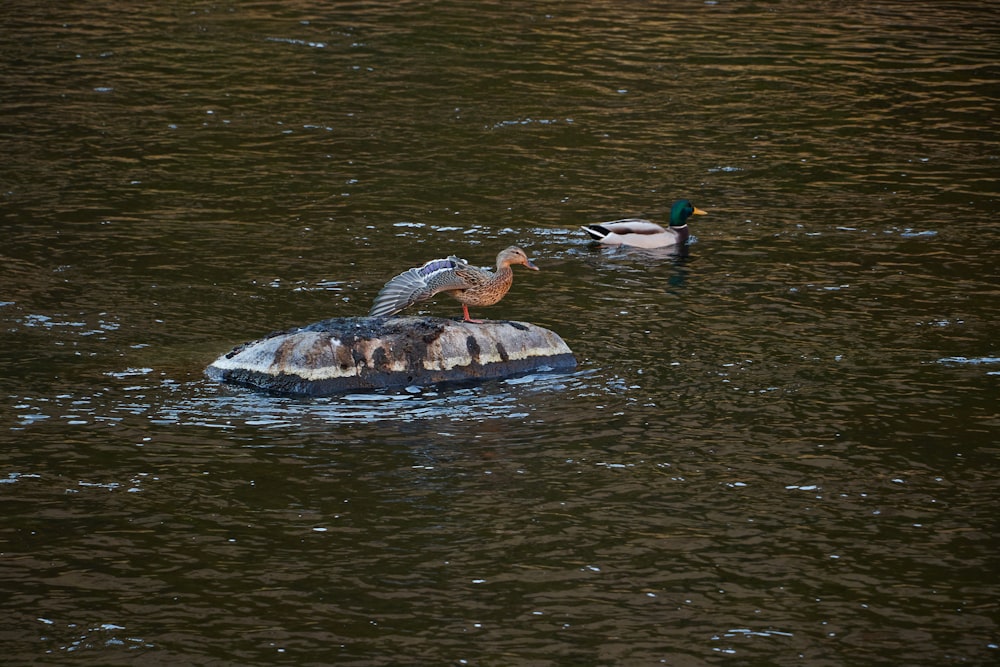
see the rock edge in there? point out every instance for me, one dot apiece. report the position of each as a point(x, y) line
point(346, 354)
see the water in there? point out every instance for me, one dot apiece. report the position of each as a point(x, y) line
point(780, 449)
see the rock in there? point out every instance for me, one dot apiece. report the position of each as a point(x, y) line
point(345, 354)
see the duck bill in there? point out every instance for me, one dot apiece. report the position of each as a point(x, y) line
point(698, 211)
point(531, 266)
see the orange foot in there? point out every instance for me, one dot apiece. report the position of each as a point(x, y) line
point(466, 318)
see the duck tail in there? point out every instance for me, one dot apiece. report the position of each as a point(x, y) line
point(596, 232)
point(410, 287)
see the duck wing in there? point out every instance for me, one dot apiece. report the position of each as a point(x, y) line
point(423, 282)
point(636, 232)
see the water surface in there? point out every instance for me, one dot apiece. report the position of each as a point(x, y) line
point(779, 449)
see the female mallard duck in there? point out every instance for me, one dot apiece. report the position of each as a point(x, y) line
point(645, 234)
point(471, 286)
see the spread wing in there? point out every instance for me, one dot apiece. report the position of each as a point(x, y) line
point(421, 283)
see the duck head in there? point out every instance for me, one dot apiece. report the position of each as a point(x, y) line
point(681, 211)
point(514, 255)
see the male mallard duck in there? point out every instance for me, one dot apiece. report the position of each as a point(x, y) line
point(645, 234)
point(471, 286)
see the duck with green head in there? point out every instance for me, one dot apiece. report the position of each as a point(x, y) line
point(640, 233)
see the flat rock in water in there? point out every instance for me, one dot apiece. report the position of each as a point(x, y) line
point(346, 354)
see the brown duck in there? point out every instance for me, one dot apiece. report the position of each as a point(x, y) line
point(469, 285)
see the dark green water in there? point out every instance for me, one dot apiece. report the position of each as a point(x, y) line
point(779, 450)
